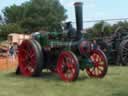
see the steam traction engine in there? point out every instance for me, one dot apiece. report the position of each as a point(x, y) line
point(64, 53)
point(115, 47)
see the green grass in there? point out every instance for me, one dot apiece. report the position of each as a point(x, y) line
point(115, 83)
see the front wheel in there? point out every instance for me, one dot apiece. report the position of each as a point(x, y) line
point(100, 64)
point(67, 66)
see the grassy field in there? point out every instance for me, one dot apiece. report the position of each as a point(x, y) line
point(114, 84)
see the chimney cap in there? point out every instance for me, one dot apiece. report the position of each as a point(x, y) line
point(78, 3)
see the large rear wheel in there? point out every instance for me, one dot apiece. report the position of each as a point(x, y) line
point(100, 64)
point(30, 58)
point(67, 66)
point(124, 52)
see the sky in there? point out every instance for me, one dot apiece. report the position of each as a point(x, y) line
point(92, 9)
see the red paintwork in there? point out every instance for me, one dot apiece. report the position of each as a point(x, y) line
point(27, 58)
point(82, 48)
point(66, 66)
point(100, 64)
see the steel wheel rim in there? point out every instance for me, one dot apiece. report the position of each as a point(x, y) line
point(100, 65)
point(67, 66)
point(27, 58)
point(124, 53)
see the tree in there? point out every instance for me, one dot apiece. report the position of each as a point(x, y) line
point(0, 17)
point(1, 20)
point(36, 15)
point(13, 14)
point(120, 26)
point(6, 29)
point(100, 29)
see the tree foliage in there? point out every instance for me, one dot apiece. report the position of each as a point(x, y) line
point(102, 28)
point(5, 29)
point(1, 19)
point(36, 15)
point(120, 26)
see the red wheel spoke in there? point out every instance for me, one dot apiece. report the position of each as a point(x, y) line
point(94, 56)
point(101, 65)
point(98, 58)
point(68, 61)
point(94, 72)
point(70, 65)
point(69, 74)
point(65, 61)
point(99, 69)
point(31, 52)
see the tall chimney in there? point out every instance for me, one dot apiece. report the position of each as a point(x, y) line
point(79, 18)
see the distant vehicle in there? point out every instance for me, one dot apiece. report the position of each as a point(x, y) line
point(115, 48)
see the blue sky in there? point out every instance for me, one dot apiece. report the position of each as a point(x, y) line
point(93, 9)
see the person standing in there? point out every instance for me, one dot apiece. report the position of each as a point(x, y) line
point(11, 53)
point(94, 44)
